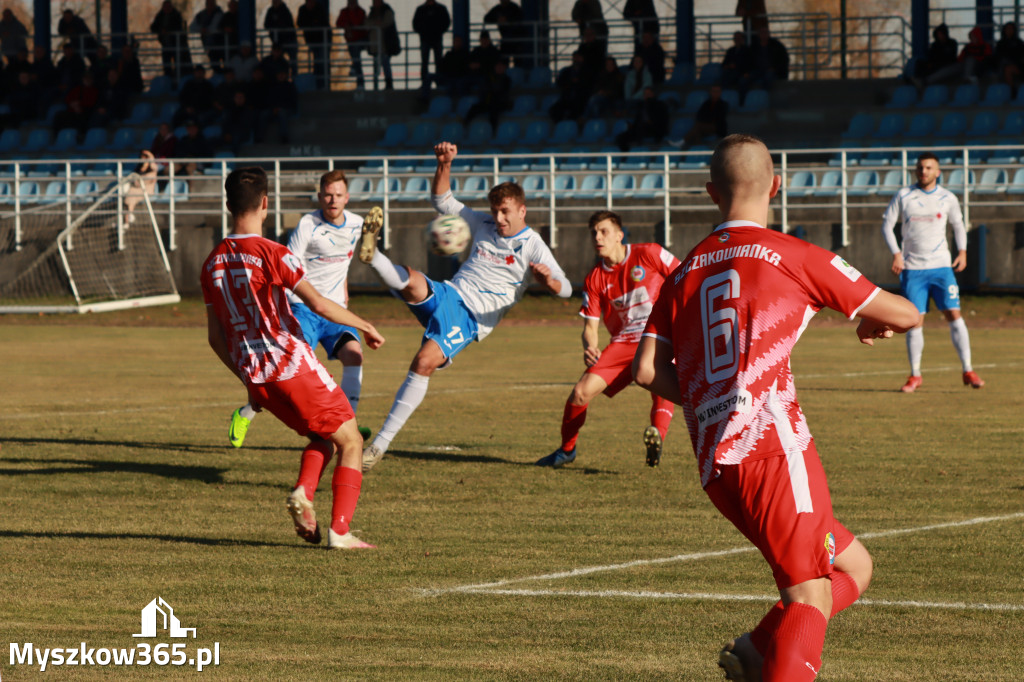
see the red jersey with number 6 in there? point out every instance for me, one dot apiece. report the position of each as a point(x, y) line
point(244, 279)
point(733, 311)
point(625, 293)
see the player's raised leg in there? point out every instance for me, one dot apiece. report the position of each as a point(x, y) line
point(373, 222)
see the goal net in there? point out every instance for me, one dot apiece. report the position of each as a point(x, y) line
point(72, 257)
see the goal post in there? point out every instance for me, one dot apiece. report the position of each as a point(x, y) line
point(60, 258)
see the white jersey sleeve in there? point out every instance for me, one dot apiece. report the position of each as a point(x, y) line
point(538, 252)
point(956, 221)
point(889, 220)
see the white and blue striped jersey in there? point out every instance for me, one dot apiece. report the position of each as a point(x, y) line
point(925, 215)
point(494, 276)
point(326, 252)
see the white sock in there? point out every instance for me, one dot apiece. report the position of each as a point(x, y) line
point(394, 276)
point(410, 395)
point(915, 348)
point(352, 384)
point(961, 341)
point(248, 412)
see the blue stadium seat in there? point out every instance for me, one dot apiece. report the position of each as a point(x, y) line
point(903, 97)
point(537, 132)
point(946, 156)
point(695, 160)
point(452, 132)
point(983, 124)
point(921, 125)
point(38, 140)
point(732, 98)
point(865, 182)
point(1009, 153)
point(890, 126)
point(540, 78)
point(652, 186)
point(547, 102)
point(142, 113)
point(1019, 99)
point(710, 74)
point(633, 162)
point(180, 132)
point(440, 107)
point(423, 135)
point(213, 133)
point(394, 136)
point(993, 181)
point(159, 86)
point(41, 170)
point(479, 133)
point(29, 191)
point(1013, 126)
point(85, 190)
point(892, 181)
point(997, 95)
point(966, 95)
point(518, 76)
point(66, 140)
point(880, 157)
point(574, 163)
point(592, 187)
point(565, 185)
point(672, 98)
point(393, 187)
point(682, 74)
point(508, 134)
point(180, 190)
point(594, 130)
point(955, 181)
point(680, 127)
point(831, 182)
point(693, 101)
point(563, 133)
point(474, 187)
point(953, 124)
point(416, 189)
point(167, 112)
point(305, 82)
point(755, 101)
point(525, 105)
point(463, 105)
point(623, 185)
point(359, 187)
point(56, 191)
point(934, 96)
point(517, 164)
point(852, 158)
point(1017, 184)
point(10, 139)
point(215, 168)
point(5, 192)
point(536, 185)
point(95, 138)
point(860, 126)
point(801, 184)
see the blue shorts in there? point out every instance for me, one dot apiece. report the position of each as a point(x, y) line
point(317, 330)
point(446, 318)
point(939, 284)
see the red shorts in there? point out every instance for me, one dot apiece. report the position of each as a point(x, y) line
point(615, 366)
point(761, 497)
point(310, 404)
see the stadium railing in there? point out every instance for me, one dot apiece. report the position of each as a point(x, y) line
point(669, 183)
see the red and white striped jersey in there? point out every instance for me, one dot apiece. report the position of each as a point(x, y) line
point(244, 280)
point(625, 293)
point(733, 312)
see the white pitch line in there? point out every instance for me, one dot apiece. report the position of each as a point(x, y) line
point(489, 587)
point(941, 368)
point(708, 596)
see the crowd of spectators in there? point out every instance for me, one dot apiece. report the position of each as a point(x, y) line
point(976, 62)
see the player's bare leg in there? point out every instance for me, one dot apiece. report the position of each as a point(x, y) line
point(409, 396)
point(574, 416)
point(345, 484)
point(962, 343)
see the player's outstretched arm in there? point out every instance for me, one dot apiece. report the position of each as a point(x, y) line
point(219, 344)
point(330, 310)
point(553, 281)
point(445, 153)
point(591, 351)
point(653, 369)
point(884, 314)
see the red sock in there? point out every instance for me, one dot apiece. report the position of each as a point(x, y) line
point(762, 634)
point(572, 421)
point(315, 459)
point(661, 415)
point(345, 485)
point(844, 591)
point(794, 654)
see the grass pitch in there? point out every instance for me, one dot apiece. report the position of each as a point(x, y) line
point(117, 485)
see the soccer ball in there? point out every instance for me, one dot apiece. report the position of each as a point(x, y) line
point(449, 235)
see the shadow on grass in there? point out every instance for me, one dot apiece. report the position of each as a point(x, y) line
point(482, 459)
point(184, 539)
point(51, 467)
point(201, 448)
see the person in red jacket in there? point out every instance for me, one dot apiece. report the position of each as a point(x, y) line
point(352, 18)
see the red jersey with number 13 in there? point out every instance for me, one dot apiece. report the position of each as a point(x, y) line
point(625, 293)
point(733, 312)
point(244, 279)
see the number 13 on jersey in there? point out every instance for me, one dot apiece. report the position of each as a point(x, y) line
point(720, 321)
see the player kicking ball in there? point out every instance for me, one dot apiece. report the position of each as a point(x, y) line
point(455, 313)
point(325, 241)
point(621, 289)
point(729, 317)
point(253, 331)
point(924, 264)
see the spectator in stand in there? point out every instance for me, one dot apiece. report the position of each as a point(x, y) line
point(101, 65)
point(315, 22)
point(770, 58)
point(275, 62)
point(70, 69)
point(352, 18)
point(941, 53)
point(12, 35)
point(1009, 55)
point(738, 65)
point(239, 122)
point(589, 13)
point(650, 124)
point(208, 24)
point(654, 56)
point(638, 80)
point(975, 60)
point(257, 91)
point(754, 14)
point(147, 170)
point(193, 146)
point(575, 87)
point(279, 22)
point(495, 96)
point(594, 51)
point(607, 91)
point(44, 74)
point(163, 146)
point(81, 102)
point(454, 69)
point(113, 103)
point(169, 27)
point(284, 103)
point(224, 93)
point(430, 22)
point(229, 28)
point(710, 118)
point(20, 62)
point(515, 38)
point(74, 29)
point(195, 98)
point(244, 63)
point(485, 53)
point(24, 99)
point(643, 16)
point(129, 70)
point(384, 40)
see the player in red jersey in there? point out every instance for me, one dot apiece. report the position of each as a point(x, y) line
point(252, 330)
point(621, 288)
point(728, 317)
